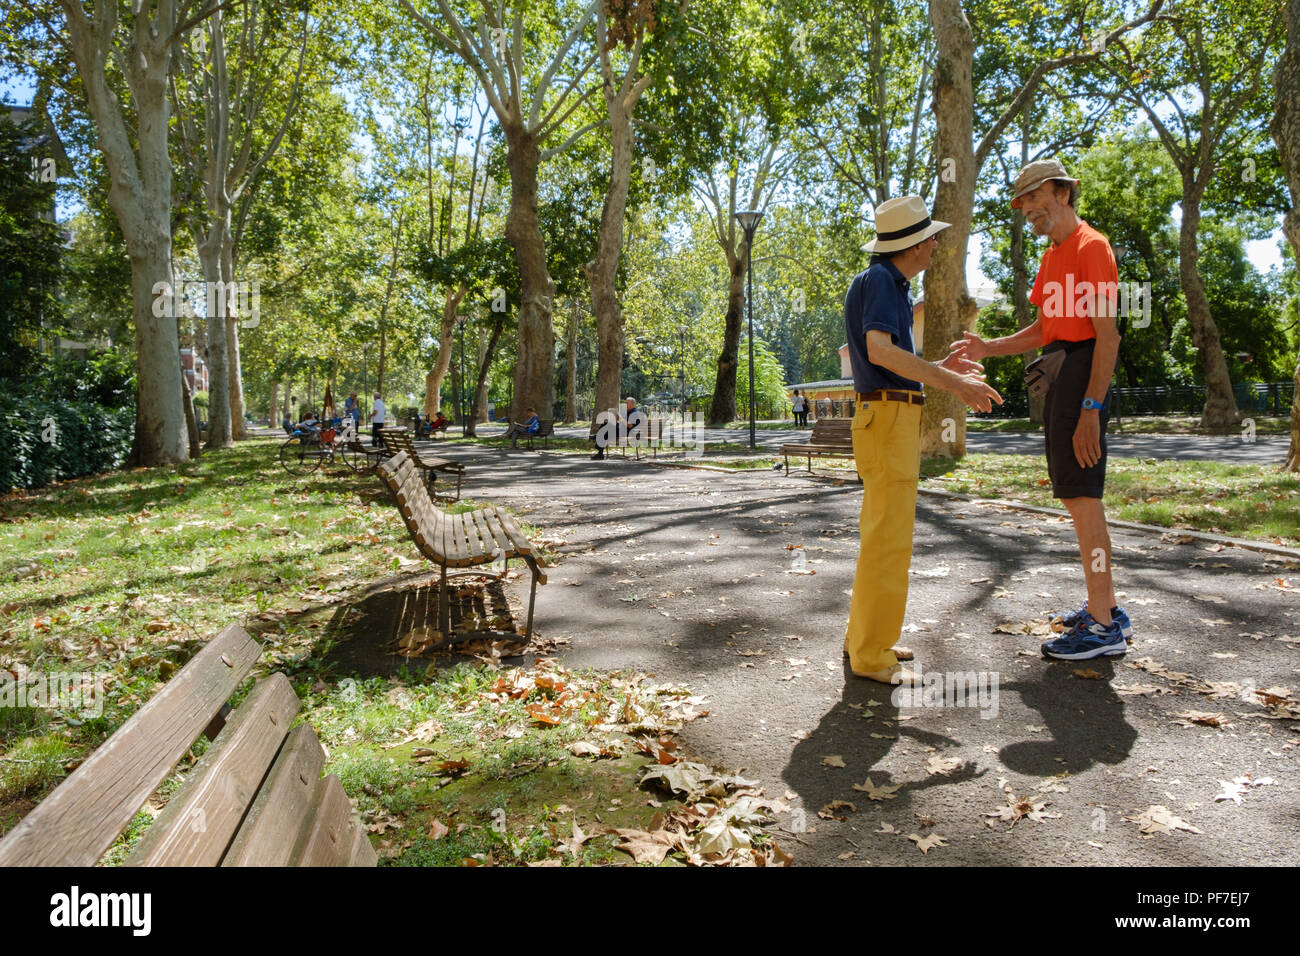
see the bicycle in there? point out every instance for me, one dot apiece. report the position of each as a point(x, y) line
point(306, 450)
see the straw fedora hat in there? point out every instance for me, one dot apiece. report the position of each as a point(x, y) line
point(1037, 173)
point(902, 223)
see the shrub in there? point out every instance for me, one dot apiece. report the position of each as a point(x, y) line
point(86, 438)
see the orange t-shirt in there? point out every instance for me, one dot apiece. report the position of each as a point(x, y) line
point(1070, 274)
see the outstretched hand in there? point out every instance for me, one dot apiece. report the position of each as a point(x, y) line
point(971, 346)
point(976, 393)
point(957, 361)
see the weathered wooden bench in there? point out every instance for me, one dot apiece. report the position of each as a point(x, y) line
point(459, 541)
point(255, 798)
point(831, 438)
point(545, 429)
point(649, 434)
point(400, 443)
point(417, 425)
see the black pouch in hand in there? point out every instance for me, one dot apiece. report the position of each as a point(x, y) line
point(1042, 371)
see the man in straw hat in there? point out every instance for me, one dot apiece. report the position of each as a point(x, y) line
point(888, 376)
point(1076, 293)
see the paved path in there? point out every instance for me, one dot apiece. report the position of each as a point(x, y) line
point(690, 575)
point(1266, 449)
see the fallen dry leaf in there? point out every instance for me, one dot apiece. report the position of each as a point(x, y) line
point(834, 760)
point(1018, 809)
point(886, 792)
point(928, 843)
point(1159, 819)
point(1232, 790)
point(830, 811)
point(943, 765)
point(1204, 718)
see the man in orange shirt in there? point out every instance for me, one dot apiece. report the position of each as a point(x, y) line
point(1076, 292)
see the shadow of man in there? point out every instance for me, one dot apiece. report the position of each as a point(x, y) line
point(1085, 718)
point(855, 729)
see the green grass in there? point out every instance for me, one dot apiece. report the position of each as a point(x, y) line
point(126, 574)
point(771, 425)
point(1244, 501)
point(1137, 425)
point(504, 785)
point(761, 463)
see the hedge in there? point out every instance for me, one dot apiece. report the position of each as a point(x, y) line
point(87, 439)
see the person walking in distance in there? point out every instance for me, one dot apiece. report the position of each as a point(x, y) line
point(1076, 292)
point(378, 415)
point(888, 377)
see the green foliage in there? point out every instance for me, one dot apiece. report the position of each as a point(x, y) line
point(85, 410)
point(30, 248)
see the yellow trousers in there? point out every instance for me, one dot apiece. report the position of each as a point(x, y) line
point(887, 452)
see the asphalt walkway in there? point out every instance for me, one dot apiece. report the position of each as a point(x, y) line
point(1265, 450)
point(737, 585)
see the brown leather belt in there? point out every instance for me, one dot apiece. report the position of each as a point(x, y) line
point(888, 395)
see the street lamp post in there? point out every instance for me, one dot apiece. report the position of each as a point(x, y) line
point(748, 220)
point(681, 355)
point(460, 383)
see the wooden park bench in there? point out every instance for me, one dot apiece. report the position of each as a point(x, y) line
point(460, 541)
point(417, 424)
point(545, 429)
point(255, 798)
point(831, 438)
point(399, 442)
point(649, 434)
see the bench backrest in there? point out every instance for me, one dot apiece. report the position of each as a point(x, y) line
point(832, 431)
point(81, 818)
point(252, 799)
point(424, 520)
point(472, 538)
point(397, 441)
point(545, 428)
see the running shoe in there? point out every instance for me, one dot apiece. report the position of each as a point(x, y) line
point(1071, 620)
point(1087, 640)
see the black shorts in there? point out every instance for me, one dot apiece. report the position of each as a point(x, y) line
point(1061, 410)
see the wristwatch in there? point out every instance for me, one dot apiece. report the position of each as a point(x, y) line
point(1091, 404)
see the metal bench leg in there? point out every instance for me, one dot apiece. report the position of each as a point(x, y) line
point(444, 607)
point(532, 594)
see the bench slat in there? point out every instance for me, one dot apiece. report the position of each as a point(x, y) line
point(517, 537)
point(270, 832)
point(490, 543)
point(75, 824)
point(503, 541)
point(480, 550)
point(363, 851)
point(196, 826)
point(326, 841)
point(459, 546)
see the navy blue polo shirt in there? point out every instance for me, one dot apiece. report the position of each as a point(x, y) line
point(879, 298)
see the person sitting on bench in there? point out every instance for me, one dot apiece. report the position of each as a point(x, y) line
point(632, 423)
point(526, 430)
